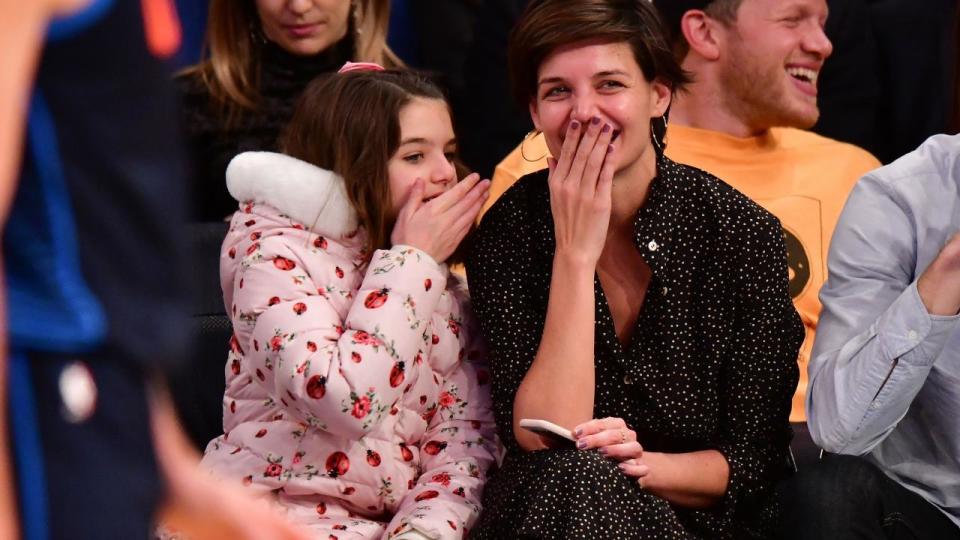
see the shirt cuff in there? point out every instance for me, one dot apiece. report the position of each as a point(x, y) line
point(908, 332)
point(423, 255)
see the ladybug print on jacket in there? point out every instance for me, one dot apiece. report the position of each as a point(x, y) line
point(284, 263)
point(429, 494)
point(317, 386)
point(299, 308)
point(434, 447)
point(376, 299)
point(337, 464)
point(405, 452)
point(396, 375)
point(454, 326)
point(373, 458)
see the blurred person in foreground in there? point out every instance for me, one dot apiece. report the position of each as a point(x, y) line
point(93, 296)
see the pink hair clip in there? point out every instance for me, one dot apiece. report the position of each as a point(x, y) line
point(360, 66)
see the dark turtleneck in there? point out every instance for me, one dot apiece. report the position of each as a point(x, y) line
point(283, 76)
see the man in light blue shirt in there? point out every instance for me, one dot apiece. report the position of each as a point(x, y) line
point(884, 394)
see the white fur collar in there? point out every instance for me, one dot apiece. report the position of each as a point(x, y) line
point(315, 197)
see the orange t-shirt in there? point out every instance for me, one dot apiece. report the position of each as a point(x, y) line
point(798, 176)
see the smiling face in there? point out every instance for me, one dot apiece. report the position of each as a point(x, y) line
point(304, 27)
point(595, 79)
point(770, 58)
point(427, 151)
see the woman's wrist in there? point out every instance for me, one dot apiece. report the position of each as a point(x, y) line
point(574, 263)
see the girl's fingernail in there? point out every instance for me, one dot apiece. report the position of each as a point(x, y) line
point(581, 444)
point(574, 124)
point(595, 120)
point(606, 128)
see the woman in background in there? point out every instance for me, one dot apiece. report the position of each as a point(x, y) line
point(260, 55)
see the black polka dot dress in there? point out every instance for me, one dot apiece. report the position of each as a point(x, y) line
point(711, 363)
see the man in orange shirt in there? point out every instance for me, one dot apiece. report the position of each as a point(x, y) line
point(754, 65)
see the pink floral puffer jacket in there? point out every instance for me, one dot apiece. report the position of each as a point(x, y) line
point(356, 395)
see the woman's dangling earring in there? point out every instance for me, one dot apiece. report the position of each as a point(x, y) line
point(663, 133)
point(530, 134)
point(256, 33)
point(355, 13)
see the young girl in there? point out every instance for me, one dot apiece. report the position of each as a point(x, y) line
point(356, 394)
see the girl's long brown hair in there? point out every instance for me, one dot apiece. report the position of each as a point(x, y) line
point(231, 68)
point(350, 124)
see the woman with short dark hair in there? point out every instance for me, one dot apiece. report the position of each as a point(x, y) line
point(639, 303)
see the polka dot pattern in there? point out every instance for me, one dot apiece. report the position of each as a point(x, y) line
point(711, 363)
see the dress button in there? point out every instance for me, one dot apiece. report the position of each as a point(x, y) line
point(78, 392)
point(627, 379)
point(652, 246)
point(666, 290)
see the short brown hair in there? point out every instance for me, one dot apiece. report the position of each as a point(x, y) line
point(672, 12)
point(349, 123)
point(546, 25)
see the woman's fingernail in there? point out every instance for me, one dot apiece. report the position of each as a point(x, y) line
point(606, 128)
point(602, 451)
point(609, 148)
point(574, 125)
point(581, 444)
point(595, 120)
point(578, 432)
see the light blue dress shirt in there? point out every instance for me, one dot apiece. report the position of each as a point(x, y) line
point(884, 373)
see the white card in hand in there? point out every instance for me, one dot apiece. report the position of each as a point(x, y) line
point(543, 427)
